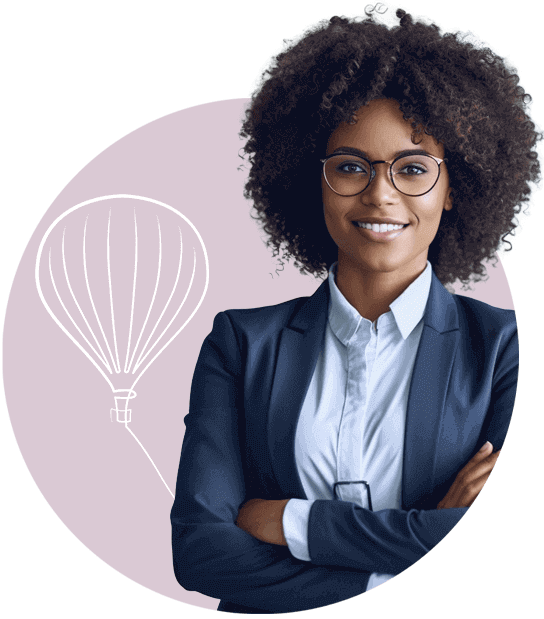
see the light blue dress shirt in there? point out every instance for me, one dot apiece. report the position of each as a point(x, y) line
point(351, 425)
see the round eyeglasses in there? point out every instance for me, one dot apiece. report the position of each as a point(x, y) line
point(413, 175)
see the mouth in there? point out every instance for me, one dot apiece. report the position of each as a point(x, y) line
point(383, 231)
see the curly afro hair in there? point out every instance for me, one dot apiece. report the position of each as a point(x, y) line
point(465, 96)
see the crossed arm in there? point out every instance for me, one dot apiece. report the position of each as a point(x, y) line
point(263, 519)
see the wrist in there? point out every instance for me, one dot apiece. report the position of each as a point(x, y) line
point(263, 520)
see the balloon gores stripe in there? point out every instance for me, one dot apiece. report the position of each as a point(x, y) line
point(99, 345)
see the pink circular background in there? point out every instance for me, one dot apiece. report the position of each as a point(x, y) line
point(91, 471)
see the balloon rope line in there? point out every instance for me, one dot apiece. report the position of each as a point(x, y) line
point(144, 450)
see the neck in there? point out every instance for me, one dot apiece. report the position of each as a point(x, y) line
point(371, 292)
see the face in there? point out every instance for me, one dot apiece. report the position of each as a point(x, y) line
point(381, 133)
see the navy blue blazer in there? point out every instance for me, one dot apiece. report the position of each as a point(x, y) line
point(248, 388)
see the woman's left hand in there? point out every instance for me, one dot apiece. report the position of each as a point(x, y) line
point(263, 520)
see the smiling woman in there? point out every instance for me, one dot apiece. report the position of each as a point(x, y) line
point(464, 95)
point(334, 440)
point(412, 194)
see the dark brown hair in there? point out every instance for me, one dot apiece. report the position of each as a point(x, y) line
point(462, 94)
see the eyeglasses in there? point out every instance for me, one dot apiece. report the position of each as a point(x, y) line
point(412, 175)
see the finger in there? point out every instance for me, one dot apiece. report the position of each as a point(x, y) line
point(468, 475)
point(481, 455)
point(475, 491)
point(481, 480)
point(485, 468)
point(485, 451)
point(473, 488)
point(489, 462)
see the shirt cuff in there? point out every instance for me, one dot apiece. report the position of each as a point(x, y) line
point(295, 527)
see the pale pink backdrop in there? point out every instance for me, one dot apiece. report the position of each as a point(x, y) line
point(91, 471)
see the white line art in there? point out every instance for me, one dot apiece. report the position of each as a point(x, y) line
point(109, 304)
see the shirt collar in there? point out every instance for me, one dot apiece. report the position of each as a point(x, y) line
point(407, 309)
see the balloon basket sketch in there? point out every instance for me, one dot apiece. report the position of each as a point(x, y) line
point(122, 276)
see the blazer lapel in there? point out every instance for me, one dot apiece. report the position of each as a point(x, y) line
point(428, 388)
point(300, 344)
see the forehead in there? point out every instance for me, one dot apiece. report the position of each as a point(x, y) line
point(381, 132)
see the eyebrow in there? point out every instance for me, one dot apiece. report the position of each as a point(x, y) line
point(348, 150)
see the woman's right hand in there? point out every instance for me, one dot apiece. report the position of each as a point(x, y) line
point(470, 479)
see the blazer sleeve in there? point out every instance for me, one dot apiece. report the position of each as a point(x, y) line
point(343, 534)
point(210, 553)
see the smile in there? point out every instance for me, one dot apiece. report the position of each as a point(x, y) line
point(380, 232)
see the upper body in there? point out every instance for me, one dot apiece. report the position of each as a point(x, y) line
point(426, 154)
point(248, 389)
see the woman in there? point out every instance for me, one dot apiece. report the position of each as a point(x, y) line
point(333, 440)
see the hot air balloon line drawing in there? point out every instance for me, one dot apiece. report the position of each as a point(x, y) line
point(122, 276)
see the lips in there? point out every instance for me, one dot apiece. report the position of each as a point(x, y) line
point(380, 237)
point(380, 220)
point(356, 224)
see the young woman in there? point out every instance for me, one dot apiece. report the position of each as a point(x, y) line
point(333, 440)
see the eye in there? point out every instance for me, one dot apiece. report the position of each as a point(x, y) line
point(351, 167)
point(412, 169)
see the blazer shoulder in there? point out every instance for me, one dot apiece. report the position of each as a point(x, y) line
point(259, 319)
point(484, 320)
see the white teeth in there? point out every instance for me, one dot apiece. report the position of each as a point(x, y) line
point(379, 227)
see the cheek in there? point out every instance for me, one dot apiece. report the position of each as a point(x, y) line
point(430, 211)
point(333, 208)
point(331, 221)
point(324, 186)
point(429, 221)
point(328, 203)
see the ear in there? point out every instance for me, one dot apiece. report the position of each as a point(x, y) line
point(448, 202)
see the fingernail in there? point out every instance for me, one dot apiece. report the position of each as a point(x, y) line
point(485, 446)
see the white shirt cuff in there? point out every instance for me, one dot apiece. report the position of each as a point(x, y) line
point(295, 527)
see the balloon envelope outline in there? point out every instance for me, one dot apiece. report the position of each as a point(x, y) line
point(124, 394)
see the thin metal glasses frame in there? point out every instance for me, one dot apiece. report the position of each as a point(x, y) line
point(373, 174)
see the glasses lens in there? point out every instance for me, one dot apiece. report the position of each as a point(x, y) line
point(346, 174)
point(413, 175)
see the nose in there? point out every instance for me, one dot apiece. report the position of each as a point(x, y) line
point(380, 187)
